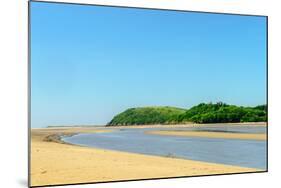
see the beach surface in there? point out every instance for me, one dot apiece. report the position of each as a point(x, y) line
point(54, 162)
point(209, 134)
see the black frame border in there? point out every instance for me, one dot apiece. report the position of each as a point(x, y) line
point(143, 8)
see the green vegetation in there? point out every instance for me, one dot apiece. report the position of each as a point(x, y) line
point(202, 113)
point(147, 115)
point(223, 113)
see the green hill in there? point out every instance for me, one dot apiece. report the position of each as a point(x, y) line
point(202, 113)
point(147, 115)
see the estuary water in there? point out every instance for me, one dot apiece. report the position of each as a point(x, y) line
point(245, 153)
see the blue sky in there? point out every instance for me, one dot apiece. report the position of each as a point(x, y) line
point(89, 63)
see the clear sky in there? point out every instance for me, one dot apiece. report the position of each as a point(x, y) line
point(89, 63)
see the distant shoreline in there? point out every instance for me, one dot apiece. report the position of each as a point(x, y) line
point(211, 134)
point(153, 125)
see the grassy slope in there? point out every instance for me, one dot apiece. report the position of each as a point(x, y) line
point(147, 115)
point(202, 113)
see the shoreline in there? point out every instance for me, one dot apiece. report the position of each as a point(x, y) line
point(57, 138)
point(155, 125)
point(210, 134)
point(54, 162)
point(254, 124)
point(64, 131)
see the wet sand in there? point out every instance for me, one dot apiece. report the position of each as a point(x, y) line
point(54, 162)
point(209, 134)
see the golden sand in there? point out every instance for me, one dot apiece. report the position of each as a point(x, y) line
point(245, 136)
point(188, 125)
point(54, 163)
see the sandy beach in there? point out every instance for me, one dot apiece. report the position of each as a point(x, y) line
point(54, 162)
point(188, 125)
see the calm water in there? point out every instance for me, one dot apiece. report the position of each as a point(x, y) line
point(246, 153)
